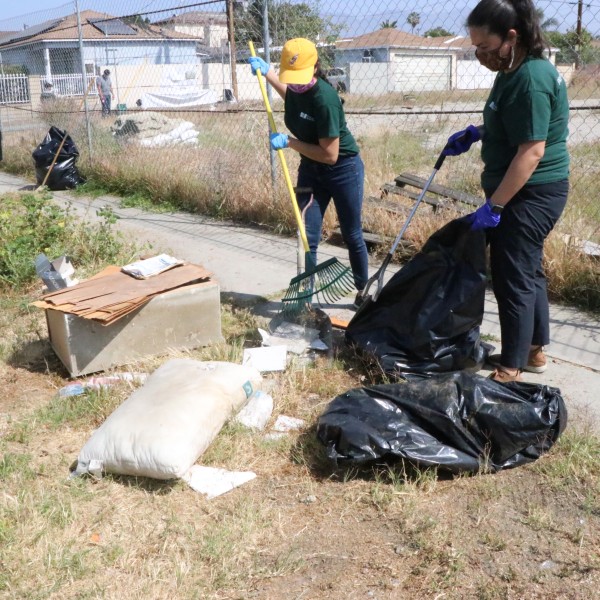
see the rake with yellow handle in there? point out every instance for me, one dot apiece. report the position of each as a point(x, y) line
point(330, 280)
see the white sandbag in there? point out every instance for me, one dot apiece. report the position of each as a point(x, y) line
point(164, 426)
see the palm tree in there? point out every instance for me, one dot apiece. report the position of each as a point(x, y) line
point(413, 20)
point(546, 24)
point(388, 24)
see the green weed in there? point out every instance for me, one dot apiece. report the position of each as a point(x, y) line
point(31, 224)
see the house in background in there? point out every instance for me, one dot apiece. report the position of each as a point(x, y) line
point(401, 62)
point(390, 60)
point(210, 28)
point(142, 57)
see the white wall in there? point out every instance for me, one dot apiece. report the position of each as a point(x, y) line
point(372, 79)
point(421, 72)
point(470, 75)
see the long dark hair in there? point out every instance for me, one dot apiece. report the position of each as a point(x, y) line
point(498, 16)
point(320, 74)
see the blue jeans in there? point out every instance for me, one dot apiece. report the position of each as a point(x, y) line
point(105, 105)
point(343, 182)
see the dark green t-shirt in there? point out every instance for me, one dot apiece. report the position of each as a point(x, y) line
point(529, 104)
point(318, 113)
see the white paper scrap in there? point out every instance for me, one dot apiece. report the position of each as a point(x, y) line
point(266, 358)
point(213, 481)
point(284, 424)
point(142, 269)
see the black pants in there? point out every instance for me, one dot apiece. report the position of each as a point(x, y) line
point(516, 252)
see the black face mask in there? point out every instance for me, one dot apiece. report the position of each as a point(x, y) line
point(492, 60)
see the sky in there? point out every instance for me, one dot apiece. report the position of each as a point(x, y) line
point(359, 16)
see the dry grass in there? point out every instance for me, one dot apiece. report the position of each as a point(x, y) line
point(227, 177)
point(302, 529)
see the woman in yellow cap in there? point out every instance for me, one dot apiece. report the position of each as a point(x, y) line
point(330, 162)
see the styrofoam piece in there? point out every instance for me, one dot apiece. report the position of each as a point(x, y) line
point(213, 481)
point(257, 411)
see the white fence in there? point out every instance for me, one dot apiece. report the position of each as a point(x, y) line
point(14, 89)
point(67, 85)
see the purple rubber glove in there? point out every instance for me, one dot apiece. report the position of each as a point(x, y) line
point(279, 141)
point(461, 141)
point(256, 62)
point(483, 217)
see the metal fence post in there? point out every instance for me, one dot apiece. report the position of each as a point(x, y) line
point(84, 81)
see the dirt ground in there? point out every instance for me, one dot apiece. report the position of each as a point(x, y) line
point(302, 529)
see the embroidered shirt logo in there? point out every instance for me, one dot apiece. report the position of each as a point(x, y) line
point(303, 115)
point(493, 106)
point(294, 59)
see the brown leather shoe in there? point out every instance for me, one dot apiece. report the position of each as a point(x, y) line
point(502, 376)
point(537, 362)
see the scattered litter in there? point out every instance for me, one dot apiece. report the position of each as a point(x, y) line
point(319, 345)
point(142, 269)
point(548, 564)
point(285, 424)
point(213, 481)
point(257, 412)
point(56, 275)
point(77, 388)
point(296, 338)
point(268, 358)
point(155, 129)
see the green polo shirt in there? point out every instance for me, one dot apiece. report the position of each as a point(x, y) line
point(529, 104)
point(316, 114)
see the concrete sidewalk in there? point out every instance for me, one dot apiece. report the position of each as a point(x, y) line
point(249, 262)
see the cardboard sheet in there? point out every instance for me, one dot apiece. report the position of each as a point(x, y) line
point(112, 294)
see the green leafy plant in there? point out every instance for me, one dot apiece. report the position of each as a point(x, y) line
point(31, 224)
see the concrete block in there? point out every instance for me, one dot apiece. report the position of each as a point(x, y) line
point(185, 318)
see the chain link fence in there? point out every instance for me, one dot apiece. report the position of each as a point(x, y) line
point(185, 106)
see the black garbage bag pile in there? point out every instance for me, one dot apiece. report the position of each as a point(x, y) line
point(64, 174)
point(457, 422)
point(427, 316)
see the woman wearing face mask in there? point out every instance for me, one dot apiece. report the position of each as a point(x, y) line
point(330, 162)
point(525, 174)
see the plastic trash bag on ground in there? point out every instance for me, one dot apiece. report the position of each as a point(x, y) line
point(458, 422)
point(64, 174)
point(427, 316)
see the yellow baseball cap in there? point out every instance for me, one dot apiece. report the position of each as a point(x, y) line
point(298, 60)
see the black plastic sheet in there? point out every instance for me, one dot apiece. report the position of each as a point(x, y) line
point(427, 316)
point(64, 174)
point(457, 422)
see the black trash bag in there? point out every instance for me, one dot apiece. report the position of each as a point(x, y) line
point(458, 422)
point(64, 174)
point(427, 316)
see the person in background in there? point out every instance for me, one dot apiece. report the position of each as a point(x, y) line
point(525, 173)
point(330, 162)
point(105, 91)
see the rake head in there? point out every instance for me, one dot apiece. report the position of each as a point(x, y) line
point(328, 281)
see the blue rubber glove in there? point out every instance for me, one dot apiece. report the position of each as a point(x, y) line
point(461, 141)
point(483, 217)
point(256, 62)
point(279, 141)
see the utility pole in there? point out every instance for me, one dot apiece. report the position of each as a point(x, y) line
point(579, 15)
point(231, 35)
